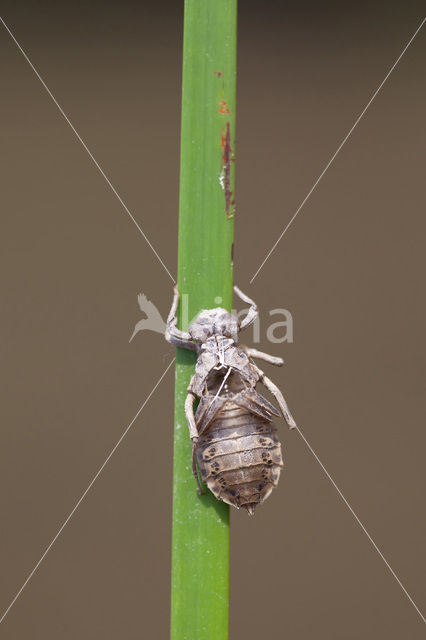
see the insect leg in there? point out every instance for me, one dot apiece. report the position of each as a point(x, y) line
point(173, 334)
point(254, 353)
point(189, 413)
point(193, 432)
point(195, 470)
point(252, 312)
point(279, 398)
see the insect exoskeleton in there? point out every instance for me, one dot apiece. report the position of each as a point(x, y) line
point(238, 451)
point(234, 439)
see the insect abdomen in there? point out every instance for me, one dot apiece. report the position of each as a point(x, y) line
point(239, 457)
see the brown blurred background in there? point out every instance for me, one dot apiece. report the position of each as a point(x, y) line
point(350, 270)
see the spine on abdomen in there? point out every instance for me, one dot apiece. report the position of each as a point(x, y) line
point(239, 457)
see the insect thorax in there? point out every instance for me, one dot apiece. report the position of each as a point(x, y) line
point(217, 356)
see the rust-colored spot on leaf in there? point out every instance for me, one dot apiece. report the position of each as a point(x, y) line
point(223, 106)
point(225, 177)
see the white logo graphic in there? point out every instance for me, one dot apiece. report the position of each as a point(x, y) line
point(153, 320)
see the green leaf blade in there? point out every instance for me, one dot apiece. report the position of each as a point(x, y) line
point(200, 548)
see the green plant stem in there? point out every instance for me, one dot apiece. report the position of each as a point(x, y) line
point(200, 554)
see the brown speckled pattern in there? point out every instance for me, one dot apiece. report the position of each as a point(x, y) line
point(239, 457)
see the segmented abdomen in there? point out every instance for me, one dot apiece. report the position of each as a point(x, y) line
point(239, 457)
